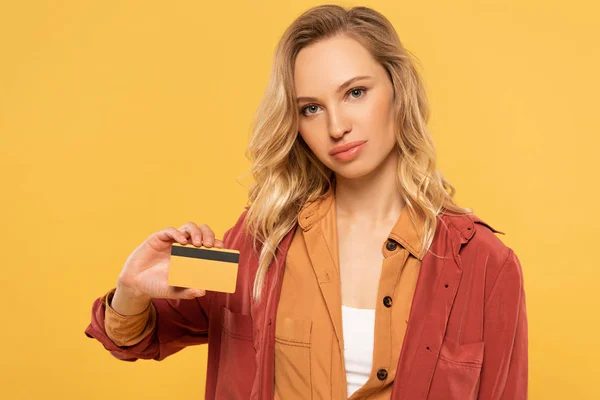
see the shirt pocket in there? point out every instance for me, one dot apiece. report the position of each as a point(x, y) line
point(457, 372)
point(236, 356)
point(293, 358)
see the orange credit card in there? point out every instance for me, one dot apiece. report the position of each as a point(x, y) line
point(205, 268)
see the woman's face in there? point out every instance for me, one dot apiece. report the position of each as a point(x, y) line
point(344, 97)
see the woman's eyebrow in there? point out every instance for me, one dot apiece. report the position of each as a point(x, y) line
point(339, 89)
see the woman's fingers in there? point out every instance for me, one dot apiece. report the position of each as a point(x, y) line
point(191, 231)
point(208, 236)
point(201, 235)
point(169, 234)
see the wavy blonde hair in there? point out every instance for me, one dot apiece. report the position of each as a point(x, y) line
point(287, 174)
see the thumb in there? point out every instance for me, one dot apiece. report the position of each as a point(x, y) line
point(177, 292)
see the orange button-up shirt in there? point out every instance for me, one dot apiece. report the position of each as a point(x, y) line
point(309, 341)
point(309, 349)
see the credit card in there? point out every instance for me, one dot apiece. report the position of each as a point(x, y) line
point(205, 268)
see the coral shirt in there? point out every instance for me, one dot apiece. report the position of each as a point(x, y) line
point(466, 336)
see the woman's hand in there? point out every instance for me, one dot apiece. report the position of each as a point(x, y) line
point(145, 273)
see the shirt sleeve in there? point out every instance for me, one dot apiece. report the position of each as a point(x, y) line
point(172, 324)
point(505, 362)
point(127, 330)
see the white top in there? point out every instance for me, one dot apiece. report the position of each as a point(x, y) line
point(358, 325)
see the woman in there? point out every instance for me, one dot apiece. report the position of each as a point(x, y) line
point(359, 275)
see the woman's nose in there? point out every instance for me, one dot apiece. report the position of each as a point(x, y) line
point(338, 125)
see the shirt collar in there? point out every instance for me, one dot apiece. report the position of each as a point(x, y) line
point(404, 232)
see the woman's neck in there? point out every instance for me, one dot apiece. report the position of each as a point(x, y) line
point(371, 200)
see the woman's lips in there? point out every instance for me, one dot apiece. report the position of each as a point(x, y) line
point(344, 147)
point(349, 151)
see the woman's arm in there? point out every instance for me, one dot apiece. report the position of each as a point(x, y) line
point(169, 326)
point(130, 328)
point(505, 363)
point(162, 329)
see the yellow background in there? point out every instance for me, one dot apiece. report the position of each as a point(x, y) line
point(118, 119)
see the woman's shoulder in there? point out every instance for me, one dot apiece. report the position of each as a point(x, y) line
point(474, 232)
point(482, 250)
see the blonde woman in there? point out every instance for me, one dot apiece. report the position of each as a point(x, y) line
point(359, 277)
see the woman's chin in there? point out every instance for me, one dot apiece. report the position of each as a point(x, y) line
point(351, 172)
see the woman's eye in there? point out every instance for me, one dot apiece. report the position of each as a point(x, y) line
point(357, 92)
point(310, 109)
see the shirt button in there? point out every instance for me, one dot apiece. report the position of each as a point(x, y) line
point(387, 301)
point(391, 245)
point(381, 374)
